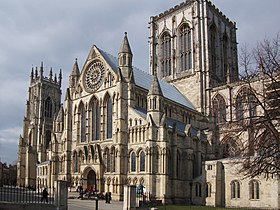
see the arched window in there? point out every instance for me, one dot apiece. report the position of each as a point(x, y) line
point(219, 109)
point(213, 56)
point(225, 59)
point(95, 120)
point(185, 48)
point(245, 104)
point(208, 189)
point(82, 123)
point(142, 161)
point(133, 162)
point(254, 189)
point(235, 189)
point(198, 190)
point(230, 148)
point(166, 54)
point(48, 107)
point(109, 118)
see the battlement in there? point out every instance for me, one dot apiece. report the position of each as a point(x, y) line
point(36, 76)
point(189, 3)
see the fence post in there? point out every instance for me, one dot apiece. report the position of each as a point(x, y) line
point(61, 195)
point(129, 198)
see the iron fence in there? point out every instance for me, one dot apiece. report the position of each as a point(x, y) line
point(24, 195)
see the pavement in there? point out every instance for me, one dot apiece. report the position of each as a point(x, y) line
point(77, 204)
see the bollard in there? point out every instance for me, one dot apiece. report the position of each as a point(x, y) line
point(96, 204)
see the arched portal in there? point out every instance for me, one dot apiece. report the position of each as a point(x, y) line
point(91, 179)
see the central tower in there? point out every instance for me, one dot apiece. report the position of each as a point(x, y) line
point(193, 46)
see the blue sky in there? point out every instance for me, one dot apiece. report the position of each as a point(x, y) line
point(57, 32)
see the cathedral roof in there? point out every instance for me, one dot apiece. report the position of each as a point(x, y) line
point(144, 80)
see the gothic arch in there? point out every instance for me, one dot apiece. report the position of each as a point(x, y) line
point(245, 103)
point(49, 107)
point(108, 115)
point(231, 147)
point(219, 108)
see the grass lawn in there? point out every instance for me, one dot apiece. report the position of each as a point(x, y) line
point(173, 207)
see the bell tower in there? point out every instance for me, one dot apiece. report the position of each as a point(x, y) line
point(43, 104)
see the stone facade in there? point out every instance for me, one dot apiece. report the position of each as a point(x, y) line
point(121, 126)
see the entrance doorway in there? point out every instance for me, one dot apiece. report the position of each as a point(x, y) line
point(91, 179)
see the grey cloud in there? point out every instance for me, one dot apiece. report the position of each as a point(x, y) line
point(57, 32)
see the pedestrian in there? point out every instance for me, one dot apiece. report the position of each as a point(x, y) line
point(106, 197)
point(109, 197)
point(45, 195)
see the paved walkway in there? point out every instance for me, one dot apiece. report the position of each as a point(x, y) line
point(78, 204)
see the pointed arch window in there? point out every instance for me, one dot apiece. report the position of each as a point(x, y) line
point(213, 56)
point(254, 189)
point(225, 58)
point(133, 162)
point(208, 189)
point(219, 109)
point(245, 104)
point(109, 118)
point(230, 148)
point(142, 161)
point(235, 189)
point(185, 42)
point(95, 120)
point(48, 107)
point(166, 54)
point(83, 124)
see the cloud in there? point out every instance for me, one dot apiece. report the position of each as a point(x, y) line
point(57, 32)
point(8, 144)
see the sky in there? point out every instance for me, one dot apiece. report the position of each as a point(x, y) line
point(57, 32)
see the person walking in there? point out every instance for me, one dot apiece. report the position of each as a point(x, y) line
point(45, 195)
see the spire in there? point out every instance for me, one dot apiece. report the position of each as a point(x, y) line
point(32, 73)
point(76, 70)
point(75, 74)
point(155, 87)
point(125, 47)
point(67, 95)
point(60, 77)
point(125, 58)
point(41, 70)
point(51, 74)
point(36, 72)
point(55, 78)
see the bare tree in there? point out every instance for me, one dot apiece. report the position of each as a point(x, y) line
point(258, 110)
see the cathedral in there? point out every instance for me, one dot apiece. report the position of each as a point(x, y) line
point(161, 128)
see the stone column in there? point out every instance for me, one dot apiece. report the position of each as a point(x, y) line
point(129, 201)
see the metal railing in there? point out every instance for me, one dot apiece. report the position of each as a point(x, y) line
point(15, 194)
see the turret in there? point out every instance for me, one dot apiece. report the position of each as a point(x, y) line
point(74, 76)
point(125, 58)
point(155, 101)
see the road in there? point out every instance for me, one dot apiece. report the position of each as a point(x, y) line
point(77, 204)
